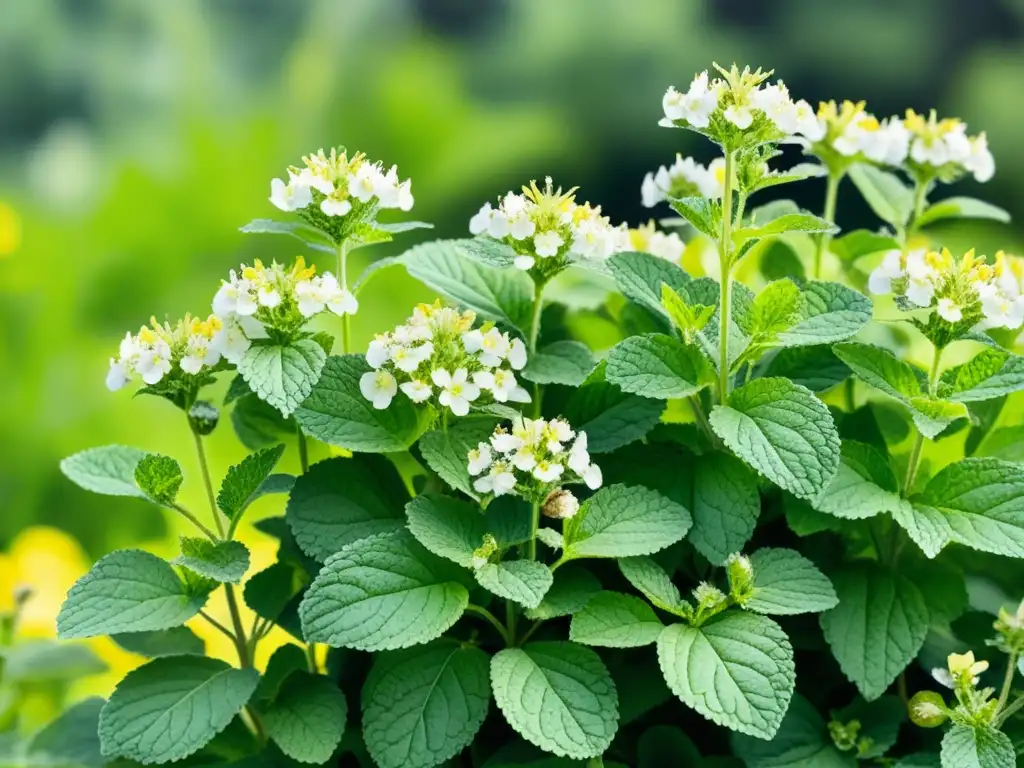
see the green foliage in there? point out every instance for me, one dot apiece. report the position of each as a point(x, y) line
point(109, 470)
point(786, 582)
point(563, 362)
point(890, 199)
point(283, 376)
point(225, 561)
point(159, 478)
point(247, 481)
point(306, 718)
point(658, 366)
point(615, 620)
point(522, 581)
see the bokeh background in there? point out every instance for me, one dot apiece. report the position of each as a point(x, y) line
point(136, 137)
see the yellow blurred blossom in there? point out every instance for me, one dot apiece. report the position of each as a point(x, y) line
point(10, 230)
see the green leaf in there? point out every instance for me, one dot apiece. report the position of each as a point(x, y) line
point(830, 312)
point(890, 199)
point(285, 660)
point(989, 374)
point(159, 478)
point(170, 708)
point(615, 620)
point(725, 505)
point(522, 581)
point(661, 740)
point(861, 242)
point(880, 722)
point(622, 521)
point(176, 641)
point(70, 740)
point(877, 628)
point(776, 308)
point(423, 706)
point(126, 591)
point(558, 696)
point(689, 319)
point(270, 591)
point(932, 416)
point(783, 431)
point(563, 362)
point(258, 424)
point(340, 501)
point(864, 485)
point(510, 520)
point(736, 670)
point(337, 413)
point(656, 585)
point(283, 376)
point(640, 276)
point(34, 662)
point(786, 583)
point(446, 453)
point(802, 741)
point(814, 367)
point(448, 527)
point(610, 417)
point(961, 208)
point(450, 268)
point(307, 717)
point(244, 481)
point(572, 588)
point(223, 561)
point(381, 593)
point(700, 212)
point(977, 502)
point(790, 222)
point(979, 747)
point(881, 369)
point(109, 470)
point(658, 366)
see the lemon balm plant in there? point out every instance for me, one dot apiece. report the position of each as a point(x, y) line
point(534, 553)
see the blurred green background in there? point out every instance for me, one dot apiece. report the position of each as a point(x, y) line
point(136, 137)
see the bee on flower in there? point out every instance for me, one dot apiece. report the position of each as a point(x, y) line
point(438, 356)
point(547, 227)
point(533, 459)
point(684, 178)
point(942, 149)
point(648, 239)
point(162, 351)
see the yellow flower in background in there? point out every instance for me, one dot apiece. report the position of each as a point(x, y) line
point(10, 230)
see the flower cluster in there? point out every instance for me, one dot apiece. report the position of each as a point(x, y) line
point(549, 225)
point(648, 239)
point(152, 354)
point(438, 356)
point(852, 133)
point(942, 149)
point(257, 298)
point(965, 289)
point(532, 459)
point(684, 178)
point(337, 183)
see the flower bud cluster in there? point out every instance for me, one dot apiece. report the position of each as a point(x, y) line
point(943, 149)
point(684, 178)
point(852, 133)
point(338, 185)
point(547, 226)
point(532, 459)
point(438, 356)
point(161, 350)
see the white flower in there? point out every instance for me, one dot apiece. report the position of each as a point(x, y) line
point(408, 359)
point(695, 106)
point(712, 183)
point(523, 227)
point(235, 296)
point(921, 287)
point(364, 183)
point(332, 206)
point(231, 341)
point(891, 268)
point(292, 196)
point(118, 375)
point(672, 104)
point(562, 432)
point(154, 361)
point(199, 351)
point(479, 459)
point(268, 296)
point(391, 193)
point(592, 477)
point(499, 480)
point(739, 115)
point(378, 352)
point(579, 457)
point(417, 390)
point(457, 392)
point(494, 347)
point(650, 192)
point(517, 354)
point(524, 459)
point(481, 221)
point(668, 246)
point(980, 161)
point(524, 262)
point(949, 311)
point(805, 121)
point(547, 243)
point(502, 385)
point(506, 442)
point(379, 387)
point(548, 471)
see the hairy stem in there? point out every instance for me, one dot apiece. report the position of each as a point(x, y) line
point(491, 619)
point(538, 308)
point(194, 520)
point(823, 240)
point(1004, 693)
point(205, 469)
point(1003, 716)
point(915, 453)
point(725, 262)
point(531, 547)
point(701, 419)
point(346, 323)
point(303, 450)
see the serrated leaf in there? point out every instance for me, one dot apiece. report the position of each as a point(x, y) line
point(881, 369)
point(783, 431)
point(864, 485)
point(615, 620)
point(978, 747)
point(610, 417)
point(451, 268)
point(830, 312)
point(622, 521)
point(961, 208)
point(159, 478)
point(271, 591)
point(170, 708)
point(446, 452)
point(573, 586)
point(521, 581)
point(890, 199)
point(223, 561)
point(802, 741)
point(423, 706)
point(70, 740)
point(381, 593)
point(725, 504)
point(702, 213)
point(786, 583)
point(563, 362)
point(776, 308)
point(244, 481)
point(989, 374)
point(448, 527)
point(931, 416)
point(109, 470)
point(814, 367)
point(258, 424)
point(283, 376)
point(789, 222)
point(656, 585)
point(877, 628)
point(341, 500)
point(736, 670)
point(177, 641)
point(640, 276)
point(307, 717)
point(337, 413)
point(861, 242)
point(558, 696)
point(658, 367)
point(126, 591)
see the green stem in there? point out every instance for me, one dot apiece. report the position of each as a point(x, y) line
point(194, 520)
point(1003, 716)
point(702, 420)
point(529, 633)
point(205, 468)
point(538, 308)
point(831, 193)
point(491, 619)
point(1004, 694)
point(510, 621)
point(346, 324)
point(303, 450)
point(725, 305)
point(915, 453)
point(531, 549)
point(217, 625)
